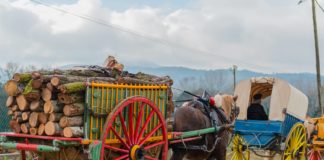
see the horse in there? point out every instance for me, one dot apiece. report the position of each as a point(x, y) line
point(192, 116)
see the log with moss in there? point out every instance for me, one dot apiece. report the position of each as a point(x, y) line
point(72, 87)
point(22, 77)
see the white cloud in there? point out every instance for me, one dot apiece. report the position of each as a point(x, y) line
point(272, 36)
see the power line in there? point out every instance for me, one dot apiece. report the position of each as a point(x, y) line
point(171, 45)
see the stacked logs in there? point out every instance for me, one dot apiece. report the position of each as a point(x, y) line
point(52, 102)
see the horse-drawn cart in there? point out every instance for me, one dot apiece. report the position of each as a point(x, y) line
point(120, 122)
point(283, 133)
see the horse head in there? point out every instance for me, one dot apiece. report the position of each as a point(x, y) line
point(228, 104)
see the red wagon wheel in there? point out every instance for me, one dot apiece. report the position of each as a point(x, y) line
point(138, 126)
point(314, 155)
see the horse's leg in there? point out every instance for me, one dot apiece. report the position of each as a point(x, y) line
point(177, 154)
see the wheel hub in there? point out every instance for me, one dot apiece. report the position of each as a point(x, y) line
point(136, 153)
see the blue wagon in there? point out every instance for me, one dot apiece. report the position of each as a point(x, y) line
point(284, 132)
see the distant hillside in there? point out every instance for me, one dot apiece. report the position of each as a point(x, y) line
point(178, 73)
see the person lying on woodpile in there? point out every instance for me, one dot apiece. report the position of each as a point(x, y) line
point(256, 110)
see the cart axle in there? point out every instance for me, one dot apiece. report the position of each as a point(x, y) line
point(29, 147)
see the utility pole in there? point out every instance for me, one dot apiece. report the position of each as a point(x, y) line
point(318, 69)
point(234, 77)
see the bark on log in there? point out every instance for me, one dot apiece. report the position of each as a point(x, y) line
point(36, 75)
point(55, 117)
point(33, 131)
point(10, 101)
point(50, 86)
point(22, 103)
point(19, 120)
point(71, 98)
point(15, 126)
point(22, 77)
point(53, 107)
point(37, 106)
point(33, 95)
point(43, 118)
point(72, 87)
point(17, 114)
point(73, 109)
point(33, 119)
point(73, 132)
point(53, 129)
point(37, 83)
point(25, 128)
point(71, 121)
point(41, 129)
point(25, 116)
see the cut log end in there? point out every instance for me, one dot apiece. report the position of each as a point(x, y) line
point(33, 131)
point(11, 88)
point(52, 129)
point(33, 119)
point(55, 81)
point(25, 128)
point(46, 94)
point(10, 101)
point(73, 132)
point(22, 103)
point(41, 129)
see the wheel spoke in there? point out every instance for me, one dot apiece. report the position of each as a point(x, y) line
point(120, 139)
point(150, 134)
point(145, 125)
point(122, 157)
point(154, 145)
point(139, 121)
point(116, 149)
point(149, 157)
point(122, 120)
point(130, 125)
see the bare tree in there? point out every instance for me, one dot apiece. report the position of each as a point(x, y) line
point(9, 70)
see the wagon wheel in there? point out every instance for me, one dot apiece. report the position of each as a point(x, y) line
point(296, 143)
point(314, 154)
point(139, 127)
point(239, 149)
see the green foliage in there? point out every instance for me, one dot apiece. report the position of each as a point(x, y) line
point(28, 88)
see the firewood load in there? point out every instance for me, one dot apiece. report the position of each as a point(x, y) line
point(52, 102)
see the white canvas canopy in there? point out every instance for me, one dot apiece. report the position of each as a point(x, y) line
point(283, 95)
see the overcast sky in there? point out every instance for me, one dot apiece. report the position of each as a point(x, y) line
point(262, 35)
